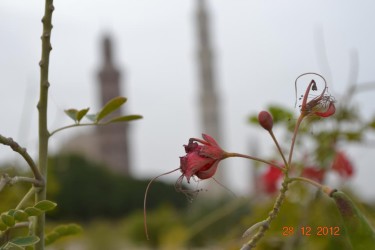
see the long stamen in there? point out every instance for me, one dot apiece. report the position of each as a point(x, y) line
point(145, 199)
point(305, 106)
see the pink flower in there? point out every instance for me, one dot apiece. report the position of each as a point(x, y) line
point(321, 105)
point(314, 173)
point(342, 165)
point(270, 179)
point(201, 159)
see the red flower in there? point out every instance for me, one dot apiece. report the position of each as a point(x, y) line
point(201, 159)
point(342, 165)
point(270, 179)
point(314, 173)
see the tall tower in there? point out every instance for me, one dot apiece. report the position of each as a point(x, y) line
point(209, 101)
point(113, 138)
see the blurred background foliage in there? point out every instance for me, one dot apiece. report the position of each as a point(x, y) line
point(110, 207)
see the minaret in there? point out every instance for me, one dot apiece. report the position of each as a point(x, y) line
point(209, 102)
point(113, 138)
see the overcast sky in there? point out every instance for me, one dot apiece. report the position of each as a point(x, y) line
point(260, 48)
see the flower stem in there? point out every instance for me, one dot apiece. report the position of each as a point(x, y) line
point(300, 118)
point(278, 147)
point(324, 188)
point(255, 159)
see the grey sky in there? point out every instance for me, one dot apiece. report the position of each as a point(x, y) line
point(260, 48)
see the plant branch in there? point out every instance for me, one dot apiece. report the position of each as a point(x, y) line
point(27, 196)
point(72, 126)
point(22, 151)
point(42, 111)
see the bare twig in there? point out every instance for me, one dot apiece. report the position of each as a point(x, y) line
point(22, 151)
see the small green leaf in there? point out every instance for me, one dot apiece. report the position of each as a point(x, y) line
point(110, 106)
point(11, 212)
point(32, 211)
point(72, 113)
point(20, 215)
point(61, 231)
point(8, 220)
point(25, 241)
point(3, 227)
point(45, 205)
point(253, 119)
point(81, 114)
point(91, 117)
point(125, 118)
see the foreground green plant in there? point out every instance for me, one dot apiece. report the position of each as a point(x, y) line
point(33, 218)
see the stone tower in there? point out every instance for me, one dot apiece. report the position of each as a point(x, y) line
point(113, 138)
point(209, 101)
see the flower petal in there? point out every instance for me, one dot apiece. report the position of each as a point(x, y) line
point(330, 111)
point(210, 140)
point(209, 172)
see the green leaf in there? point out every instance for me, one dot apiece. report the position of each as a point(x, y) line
point(3, 227)
point(253, 119)
point(91, 117)
point(81, 114)
point(280, 114)
point(72, 113)
point(125, 118)
point(32, 211)
point(8, 220)
point(62, 231)
point(110, 106)
point(45, 205)
point(25, 241)
point(361, 234)
point(20, 215)
point(11, 212)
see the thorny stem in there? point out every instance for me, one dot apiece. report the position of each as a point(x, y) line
point(280, 198)
point(42, 109)
point(255, 159)
point(271, 216)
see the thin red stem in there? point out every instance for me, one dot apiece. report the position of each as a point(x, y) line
point(255, 159)
point(300, 118)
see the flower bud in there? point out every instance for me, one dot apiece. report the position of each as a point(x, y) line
point(265, 120)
